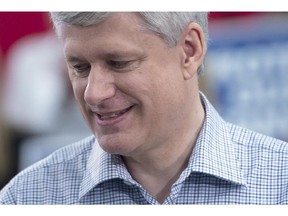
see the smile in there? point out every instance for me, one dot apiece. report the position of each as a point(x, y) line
point(112, 115)
point(110, 119)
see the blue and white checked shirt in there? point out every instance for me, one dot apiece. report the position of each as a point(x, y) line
point(229, 165)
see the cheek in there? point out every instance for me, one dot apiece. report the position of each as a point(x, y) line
point(157, 86)
point(160, 98)
point(169, 95)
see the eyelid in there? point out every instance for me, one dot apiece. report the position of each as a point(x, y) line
point(119, 64)
point(131, 64)
point(80, 69)
point(81, 66)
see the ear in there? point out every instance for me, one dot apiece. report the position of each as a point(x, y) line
point(193, 48)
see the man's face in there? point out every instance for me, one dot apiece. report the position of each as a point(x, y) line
point(128, 82)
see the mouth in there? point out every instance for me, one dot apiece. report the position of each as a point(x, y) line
point(106, 119)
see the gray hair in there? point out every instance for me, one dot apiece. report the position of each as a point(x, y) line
point(168, 25)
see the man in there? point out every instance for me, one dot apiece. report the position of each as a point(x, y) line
point(157, 139)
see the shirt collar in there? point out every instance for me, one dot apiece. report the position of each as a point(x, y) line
point(213, 154)
point(101, 167)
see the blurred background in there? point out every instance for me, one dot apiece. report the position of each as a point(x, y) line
point(38, 110)
point(245, 79)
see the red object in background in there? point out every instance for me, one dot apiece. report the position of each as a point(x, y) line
point(15, 25)
point(225, 15)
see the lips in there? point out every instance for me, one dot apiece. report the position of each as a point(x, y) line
point(112, 115)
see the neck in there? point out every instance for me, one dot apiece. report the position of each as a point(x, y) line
point(158, 169)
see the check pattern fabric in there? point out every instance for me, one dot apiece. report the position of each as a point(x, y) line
point(229, 165)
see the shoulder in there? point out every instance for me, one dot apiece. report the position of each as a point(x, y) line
point(252, 140)
point(259, 153)
point(63, 168)
point(263, 161)
point(66, 155)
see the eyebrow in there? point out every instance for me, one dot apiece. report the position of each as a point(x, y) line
point(73, 59)
point(116, 54)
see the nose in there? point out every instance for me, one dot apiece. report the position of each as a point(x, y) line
point(100, 87)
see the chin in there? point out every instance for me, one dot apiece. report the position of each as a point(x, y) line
point(115, 147)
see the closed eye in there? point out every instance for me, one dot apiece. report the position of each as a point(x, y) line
point(119, 65)
point(81, 69)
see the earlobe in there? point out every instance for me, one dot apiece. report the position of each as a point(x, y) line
point(194, 47)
